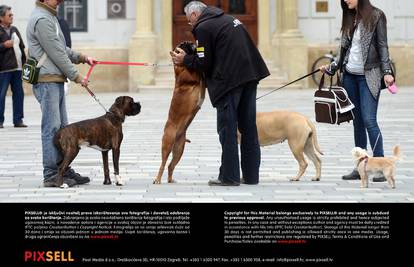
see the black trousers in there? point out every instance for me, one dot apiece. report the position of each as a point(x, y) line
point(237, 110)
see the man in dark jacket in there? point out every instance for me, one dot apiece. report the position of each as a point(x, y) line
point(233, 67)
point(12, 57)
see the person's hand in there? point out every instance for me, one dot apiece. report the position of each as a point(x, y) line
point(388, 79)
point(178, 58)
point(84, 82)
point(8, 44)
point(91, 61)
point(324, 68)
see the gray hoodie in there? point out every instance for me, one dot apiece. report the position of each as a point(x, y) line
point(45, 36)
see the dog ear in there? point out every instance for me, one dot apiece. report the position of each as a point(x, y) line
point(117, 108)
point(120, 101)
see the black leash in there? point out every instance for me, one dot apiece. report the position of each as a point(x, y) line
point(301, 78)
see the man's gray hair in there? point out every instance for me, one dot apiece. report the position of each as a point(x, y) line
point(3, 10)
point(194, 6)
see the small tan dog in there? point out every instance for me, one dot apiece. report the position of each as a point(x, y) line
point(278, 126)
point(370, 167)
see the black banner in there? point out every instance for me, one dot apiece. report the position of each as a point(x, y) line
point(205, 234)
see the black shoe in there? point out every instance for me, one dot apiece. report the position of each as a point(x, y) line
point(79, 179)
point(20, 125)
point(53, 182)
point(379, 179)
point(217, 182)
point(1, 126)
point(243, 181)
point(354, 175)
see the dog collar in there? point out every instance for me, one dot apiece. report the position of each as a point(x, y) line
point(115, 116)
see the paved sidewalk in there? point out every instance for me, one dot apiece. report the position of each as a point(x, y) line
point(21, 167)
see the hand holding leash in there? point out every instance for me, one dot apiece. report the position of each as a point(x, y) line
point(389, 80)
point(91, 61)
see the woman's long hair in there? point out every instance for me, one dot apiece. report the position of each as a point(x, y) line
point(361, 14)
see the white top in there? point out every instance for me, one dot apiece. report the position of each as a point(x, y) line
point(355, 63)
point(17, 51)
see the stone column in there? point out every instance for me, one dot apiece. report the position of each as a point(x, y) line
point(276, 40)
point(143, 46)
point(293, 49)
point(264, 28)
point(166, 29)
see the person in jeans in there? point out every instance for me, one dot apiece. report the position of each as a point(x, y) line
point(44, 36)
point(365, 64)
point(233, 67)
point(12, 58)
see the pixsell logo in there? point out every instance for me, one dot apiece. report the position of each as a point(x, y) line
point(48, 256)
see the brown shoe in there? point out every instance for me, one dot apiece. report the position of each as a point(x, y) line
point(20, 125)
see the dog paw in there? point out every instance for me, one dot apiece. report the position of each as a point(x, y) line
point(107, 182)
point(64, 186)
point(316, 179)
point(119, 181)
point(294, 180)
point(156, 182)
point(172, 181)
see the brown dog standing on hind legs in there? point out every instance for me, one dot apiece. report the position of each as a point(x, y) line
point(103, 133)
point(278, 126)
point(188, 96)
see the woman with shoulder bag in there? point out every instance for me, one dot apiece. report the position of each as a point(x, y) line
point(365, 66)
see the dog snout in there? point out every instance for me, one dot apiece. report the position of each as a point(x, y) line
point(137, 108)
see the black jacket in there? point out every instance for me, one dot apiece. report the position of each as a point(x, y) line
point(225, 53)
point(375, 53)
point(7, 56)
point(64, 26)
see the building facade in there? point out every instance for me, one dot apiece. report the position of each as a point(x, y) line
point(290, 34)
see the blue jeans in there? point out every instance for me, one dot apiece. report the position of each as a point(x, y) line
point(237, 110)
point(13, 78)
point(51, 97)
point(366, 107)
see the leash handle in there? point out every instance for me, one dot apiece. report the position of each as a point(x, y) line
point(301, 78)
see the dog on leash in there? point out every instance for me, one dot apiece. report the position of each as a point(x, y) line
point(103, 133)
point(278, 126)
point(370, 167)
point(188, 96)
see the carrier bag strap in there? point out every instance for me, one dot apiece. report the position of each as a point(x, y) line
point(41, 60)
point(322, 82)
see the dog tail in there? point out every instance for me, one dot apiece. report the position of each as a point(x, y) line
point(314, 137)
point(396, 151)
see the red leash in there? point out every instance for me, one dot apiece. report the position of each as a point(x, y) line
point(124, 64)
point(117, 63)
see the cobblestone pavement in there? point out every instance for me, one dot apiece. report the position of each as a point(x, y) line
point(21, 158)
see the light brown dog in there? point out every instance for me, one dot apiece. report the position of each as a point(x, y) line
point(188, 96)
point(370, 167)
point(278, 126)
